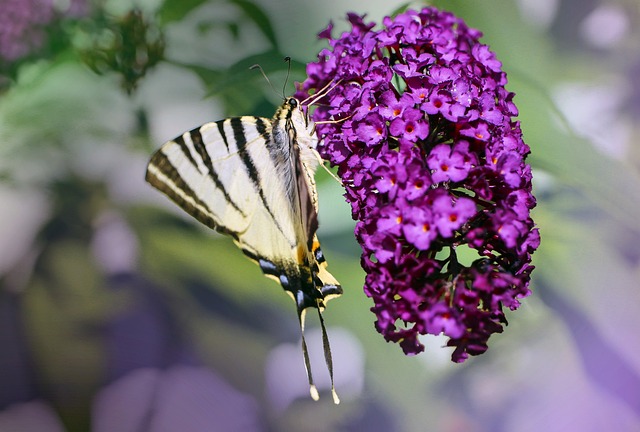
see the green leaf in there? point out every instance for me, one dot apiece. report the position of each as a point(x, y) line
point(241, 100)
point(173, 10)
point(240, 87)
point(237, 99)
point(259, 17)
point(65, 301)
point(240, 73)
point(400, 9)
point(234, 29)
point(206, 74)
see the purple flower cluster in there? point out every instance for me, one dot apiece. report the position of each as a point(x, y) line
point(23, 25)
point(419, 123)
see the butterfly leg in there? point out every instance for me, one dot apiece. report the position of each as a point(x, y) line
point(321, 163)
point(312, 99)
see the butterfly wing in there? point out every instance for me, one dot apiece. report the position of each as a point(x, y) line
point(234, 177)
point(252, 179)
point(183, 169)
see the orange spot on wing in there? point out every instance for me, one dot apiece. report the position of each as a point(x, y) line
point(301, 254)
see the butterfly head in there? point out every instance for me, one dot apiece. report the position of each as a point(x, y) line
point(292, 110)
point(298, 110)
point(296, 119)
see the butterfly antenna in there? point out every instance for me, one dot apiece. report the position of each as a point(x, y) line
point(284, 86)
point(327, 357)
point(257, 66)
point(307, 364)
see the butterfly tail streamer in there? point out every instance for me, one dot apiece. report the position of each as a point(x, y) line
point(305, 352)
point(327, 357)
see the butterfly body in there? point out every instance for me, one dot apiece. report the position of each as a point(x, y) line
point(253, 179)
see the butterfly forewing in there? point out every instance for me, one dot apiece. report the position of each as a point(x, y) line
point(184, 170)
point(252, 178)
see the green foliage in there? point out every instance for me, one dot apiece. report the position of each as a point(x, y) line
point(172, 10)
point(129, 46)
point(259, 18)
point(240, 86)
point(400, 9)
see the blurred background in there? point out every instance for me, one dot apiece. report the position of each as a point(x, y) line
point(120, 313)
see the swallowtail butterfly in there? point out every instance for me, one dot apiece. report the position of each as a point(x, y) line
point(252, 178)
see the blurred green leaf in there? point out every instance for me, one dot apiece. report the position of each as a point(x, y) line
point(531, 63)
point(65, 305)
point(400, 9)
point(55, 107)
point(173, 249)
point(240, 87)
point(260, 18)
point(574, 161)
point(246, 100)
point(240, 73)
point(206, 74)
point(234, 29)
point(176, 10)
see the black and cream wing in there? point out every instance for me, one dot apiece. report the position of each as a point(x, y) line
point(222, 174)
point(252, 179)
point(198, 171)
point(234, 177)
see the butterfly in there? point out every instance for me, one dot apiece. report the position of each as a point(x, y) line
point(252, 178)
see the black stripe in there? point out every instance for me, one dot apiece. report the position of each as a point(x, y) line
point(312, 223)
point(161, 161)
point(220, 125)
point(301, 280)
point(180, 141)
point(252, 172)
point(270, 268)
point(198, 144)
point(261, 127)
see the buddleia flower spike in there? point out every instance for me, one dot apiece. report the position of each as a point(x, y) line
point(422, 130)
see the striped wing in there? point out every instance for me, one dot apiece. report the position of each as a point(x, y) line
point(233, 177)
point(188, 170)
point(252, 179)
